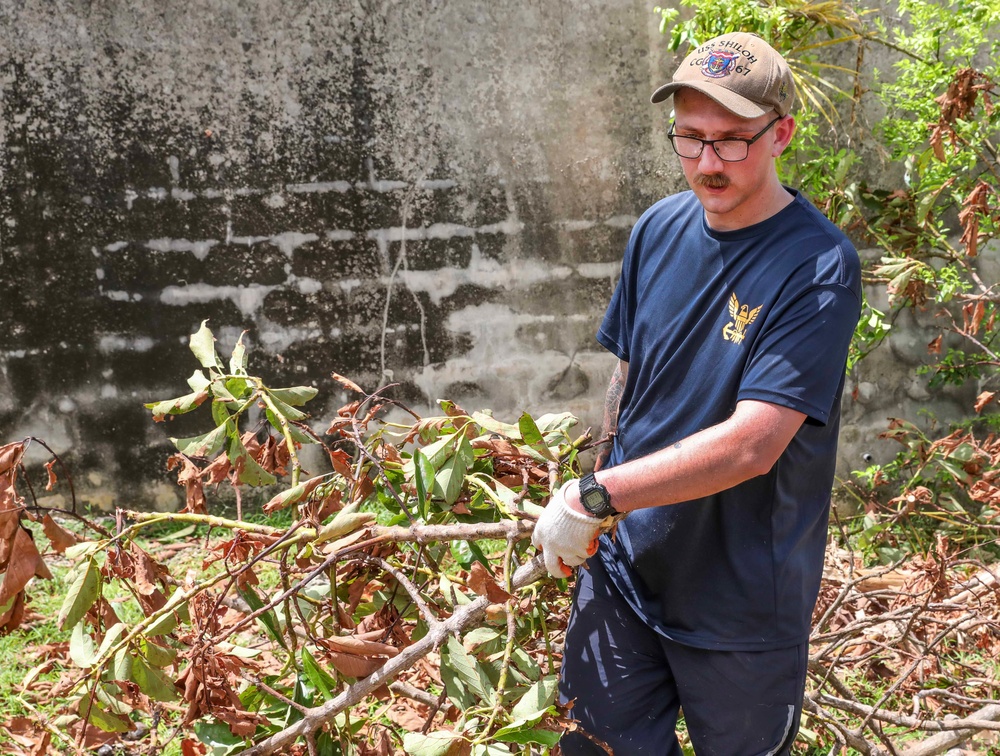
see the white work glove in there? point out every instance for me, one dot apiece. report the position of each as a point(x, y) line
point(564, 536)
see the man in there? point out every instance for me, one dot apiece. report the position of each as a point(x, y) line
point(731, 322)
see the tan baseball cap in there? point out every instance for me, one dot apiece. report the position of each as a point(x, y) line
point(740, 71)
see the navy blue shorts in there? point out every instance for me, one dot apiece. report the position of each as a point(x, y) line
point(629, 684)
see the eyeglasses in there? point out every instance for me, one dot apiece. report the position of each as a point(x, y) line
point(730, 149)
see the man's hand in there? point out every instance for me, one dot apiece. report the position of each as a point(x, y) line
point(565, 535)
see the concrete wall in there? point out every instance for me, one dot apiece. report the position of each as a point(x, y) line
point(428, 193)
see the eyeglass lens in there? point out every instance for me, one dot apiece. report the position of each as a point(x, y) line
point(727, 149)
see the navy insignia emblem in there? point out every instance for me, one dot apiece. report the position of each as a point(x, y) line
point(719, 63)
point(742, 316)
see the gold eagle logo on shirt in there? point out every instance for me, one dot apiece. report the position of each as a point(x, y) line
point(742, 316)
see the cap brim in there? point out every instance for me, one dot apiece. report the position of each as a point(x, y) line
point(731, 101)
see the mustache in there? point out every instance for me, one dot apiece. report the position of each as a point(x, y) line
point(712, 180)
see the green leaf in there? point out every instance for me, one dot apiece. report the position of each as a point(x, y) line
point(523, 735)
point(105, 720)
point(108, 696)
point(202, 345)
point(221, 391)
point(490, 749)
point(468, 670)
point(218, 737)
point(462, 554)
point(82, 649)
point(295, 494)
point(152, 681)
point(163, 625)
point(238, 360)
point(82, 593)
point(156, 654)
point(251, 473)
point(297, 435)
point(319, 677)
point(432, 744)
point(295, 395)
point(503, 497)
point(267, 619)
point(205, 445)
point(220, 413)
point(121, 665)
point(84, 549)
point(179, 406)
point(525, 663)
point(423, 479)
point(451, 476)
point(289, 412)
point(533, 437)
point(238, 387)
point(111, 638)
point(166, 623)
point(489, 423)
point(536, 701)
point(556, 423)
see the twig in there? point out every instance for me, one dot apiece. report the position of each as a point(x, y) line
point(438, 633)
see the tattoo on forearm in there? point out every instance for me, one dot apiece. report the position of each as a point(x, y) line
point(613, 399)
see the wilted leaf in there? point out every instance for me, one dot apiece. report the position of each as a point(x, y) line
point(353, 666)
point(204, 445)
point(983, 399)
point(60, 538)
point(346, 383)
point(23, 564)
point(238, 360)
point(202, 345)
point(247, 469)
point(198, 382)
point(295, 494)
point(51, 484)
point(483, 583)
point(350, 644)
point(440, 743)
point(178, 406)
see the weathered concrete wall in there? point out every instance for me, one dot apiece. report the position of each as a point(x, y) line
point(428, 193)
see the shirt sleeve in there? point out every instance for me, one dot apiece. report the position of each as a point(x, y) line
point(615, 332)
point(799, 358)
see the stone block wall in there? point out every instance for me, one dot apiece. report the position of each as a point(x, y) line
point(430, 194)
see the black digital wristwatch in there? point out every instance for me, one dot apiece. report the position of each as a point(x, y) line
point(595, 497)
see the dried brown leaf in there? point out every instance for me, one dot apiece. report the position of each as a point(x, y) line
point(983, 399)
point(347, 383)
point(60, 538)
point(482, 583)
point(351, 665)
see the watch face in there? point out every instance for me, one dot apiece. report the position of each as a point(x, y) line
point(593, 500)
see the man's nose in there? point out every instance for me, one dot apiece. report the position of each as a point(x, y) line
point(710, 162)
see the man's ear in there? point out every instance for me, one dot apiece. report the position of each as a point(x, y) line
point(783, 132)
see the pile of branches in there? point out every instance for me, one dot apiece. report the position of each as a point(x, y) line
point(892, 654)
point(401, 574)
point(393, 603)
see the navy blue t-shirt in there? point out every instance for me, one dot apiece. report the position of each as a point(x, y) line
point(705, 319)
